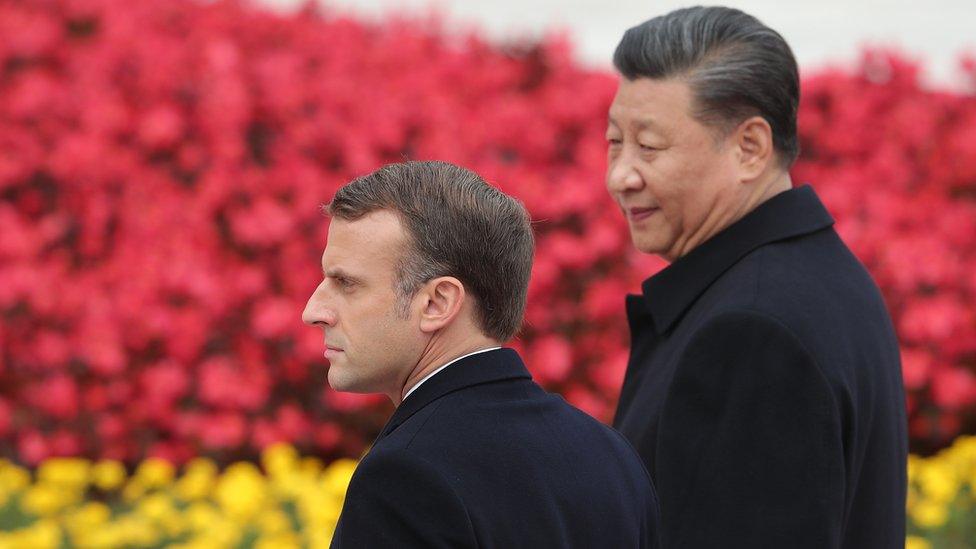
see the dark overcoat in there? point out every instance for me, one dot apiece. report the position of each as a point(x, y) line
point(481, 456)
point(764, 389)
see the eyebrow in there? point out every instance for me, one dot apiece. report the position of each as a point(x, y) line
point(640, 123)
point(337, 272)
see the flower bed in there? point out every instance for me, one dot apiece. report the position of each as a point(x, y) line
point(294, 501)
point(161, 169)
point(71, 502)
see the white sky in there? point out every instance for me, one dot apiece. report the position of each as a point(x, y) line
point(820, 32)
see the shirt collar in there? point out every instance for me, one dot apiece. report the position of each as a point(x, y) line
point(475, 369)
point(431, 374)
point(670, 292)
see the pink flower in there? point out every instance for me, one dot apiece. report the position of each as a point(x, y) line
point(551, 359)
point(223, 431)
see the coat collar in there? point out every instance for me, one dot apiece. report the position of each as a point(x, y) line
point(497, 365)
point(670, 292)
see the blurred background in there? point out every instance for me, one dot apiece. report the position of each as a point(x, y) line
point(161, 170)
point(827, 33)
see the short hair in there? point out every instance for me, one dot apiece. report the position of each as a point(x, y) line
point(736, 68)
point(458, 225)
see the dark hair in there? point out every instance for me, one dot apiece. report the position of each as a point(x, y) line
point(736, 68)
point(458, 226)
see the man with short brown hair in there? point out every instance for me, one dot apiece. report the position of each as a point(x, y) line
point(425, 277)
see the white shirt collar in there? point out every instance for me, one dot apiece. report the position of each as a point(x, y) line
point(430, 375)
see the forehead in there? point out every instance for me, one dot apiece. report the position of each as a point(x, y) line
point(652, 103)
point(367, 245)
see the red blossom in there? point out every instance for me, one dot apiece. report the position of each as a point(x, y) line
point(162, 164)
point(551, 359)
point(223, 431)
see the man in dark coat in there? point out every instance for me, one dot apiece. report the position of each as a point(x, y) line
point(425, 276)
point(764, 387)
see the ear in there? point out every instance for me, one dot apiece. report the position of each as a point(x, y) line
point(754, 145)
point(444, 297)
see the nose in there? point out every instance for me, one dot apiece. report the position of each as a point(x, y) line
point(317, 309)
point(622, 174)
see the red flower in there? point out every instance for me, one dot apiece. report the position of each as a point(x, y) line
point(551, 359)
point(160, 230)
point(953, 388)
point(223, 431)
point(916, 367)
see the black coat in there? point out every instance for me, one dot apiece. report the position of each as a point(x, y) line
point(764, 389)
point(481, 456)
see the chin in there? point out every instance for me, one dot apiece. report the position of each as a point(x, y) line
point(344, 381)
point(652, 248)
point(341, 381)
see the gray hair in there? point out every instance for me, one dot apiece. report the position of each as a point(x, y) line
point(736, 68)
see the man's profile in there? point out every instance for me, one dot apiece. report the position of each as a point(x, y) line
point(764, 387)
point(425, 275)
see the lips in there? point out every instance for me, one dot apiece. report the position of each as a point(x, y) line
point(639, 214)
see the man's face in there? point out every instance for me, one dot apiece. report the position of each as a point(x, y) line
point(672, 176)
point(370, 348)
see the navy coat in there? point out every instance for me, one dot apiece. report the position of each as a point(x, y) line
point(481, 456)
point(764, 389)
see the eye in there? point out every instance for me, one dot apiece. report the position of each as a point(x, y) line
point(645, 147)
point(343, 283)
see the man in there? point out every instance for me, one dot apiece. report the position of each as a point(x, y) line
point(764, 388)
point(425, 276)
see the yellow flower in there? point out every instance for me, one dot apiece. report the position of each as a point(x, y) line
point(279, 541)
point(220, 533)
point(197, 481)
point(43, 534)
point(929, 514)
point(318, 538)
point(311, 466)
point(108, 475)
point(137, 530)
point(155, 506)
point(938, 480)
point(279, 459)
point(318, 509)
point(273, 522)
point(915, 542)
point(240, 492)
point(155, 473)
point(200, 515)
point(108, 536)
point(44, 500)
point(87, 517)
point(336, 477)
point(198, 543)
point(13, 478)
point(69, 473)
point(133, 491)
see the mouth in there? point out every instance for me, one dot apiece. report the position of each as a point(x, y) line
point(331, 352)
point(332, 349)
point(640, 214)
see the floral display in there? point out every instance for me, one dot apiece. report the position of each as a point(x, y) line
point(162, 167)
point(290, 502)
point(163, 163)
point(293, 501)
point(942, 497)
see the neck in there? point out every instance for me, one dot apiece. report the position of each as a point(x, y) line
point(720, 219)
point(440, 350)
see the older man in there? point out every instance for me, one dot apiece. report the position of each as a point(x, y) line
point(764, 388)
point(425, 276)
